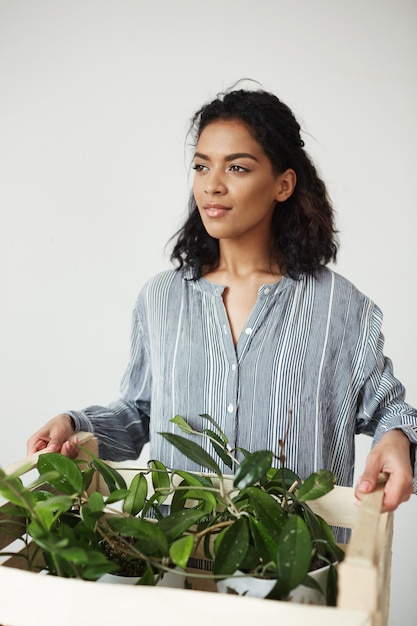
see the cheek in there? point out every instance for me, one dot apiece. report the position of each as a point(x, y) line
point(196, 188)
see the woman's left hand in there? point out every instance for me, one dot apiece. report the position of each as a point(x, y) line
point(391, 455)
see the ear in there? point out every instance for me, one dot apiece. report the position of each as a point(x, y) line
point(286, 182)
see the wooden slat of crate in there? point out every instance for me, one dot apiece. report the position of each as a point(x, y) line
point(29, 599)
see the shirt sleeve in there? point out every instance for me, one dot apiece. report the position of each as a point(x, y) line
point(382, 405)
point(122, 427)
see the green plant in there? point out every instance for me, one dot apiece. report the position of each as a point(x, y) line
point(257, 520)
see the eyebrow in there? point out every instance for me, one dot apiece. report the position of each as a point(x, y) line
point(229, 157)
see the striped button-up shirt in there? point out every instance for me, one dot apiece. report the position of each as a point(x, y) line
point(308, 368)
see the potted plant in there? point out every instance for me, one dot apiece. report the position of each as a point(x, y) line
point(259, 523)
point(255, 522)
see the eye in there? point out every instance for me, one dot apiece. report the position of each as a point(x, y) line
point(238, 168)
point(199, 167)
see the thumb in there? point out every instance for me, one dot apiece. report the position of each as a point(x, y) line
point(53, 446)
point(365, 484)
point(368, 481)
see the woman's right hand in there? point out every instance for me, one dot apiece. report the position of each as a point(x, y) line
point(57, 435)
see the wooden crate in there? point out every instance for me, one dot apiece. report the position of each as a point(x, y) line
point(30, 599)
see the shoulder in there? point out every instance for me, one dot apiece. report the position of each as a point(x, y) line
point(160, 288)
point(162, 281)
point(327, 285)
point(344, 295)
point(327, 279)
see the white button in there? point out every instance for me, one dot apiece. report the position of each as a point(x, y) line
point(248, 331)
point(233, 367)
point(230, 408)
point(266, 291)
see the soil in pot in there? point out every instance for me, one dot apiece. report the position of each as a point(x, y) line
point(131, 570)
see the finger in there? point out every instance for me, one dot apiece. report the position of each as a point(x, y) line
point(71, 448)
point(35, 444)
point(38, 446)
point(53, 446)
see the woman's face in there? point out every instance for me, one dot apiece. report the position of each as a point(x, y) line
point(235, 187)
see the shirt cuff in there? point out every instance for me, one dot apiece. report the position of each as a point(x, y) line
point(81, 421)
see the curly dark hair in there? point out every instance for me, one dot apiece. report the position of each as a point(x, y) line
point(303, 226)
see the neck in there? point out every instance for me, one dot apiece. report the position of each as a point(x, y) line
point(251, 260)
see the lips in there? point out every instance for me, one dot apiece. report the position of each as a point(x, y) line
point(214, 209)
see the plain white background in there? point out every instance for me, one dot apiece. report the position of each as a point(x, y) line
point(95, 99)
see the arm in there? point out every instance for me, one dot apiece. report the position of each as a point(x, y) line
point(383, 413)
point(122, 428)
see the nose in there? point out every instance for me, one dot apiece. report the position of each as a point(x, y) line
point(214, 184)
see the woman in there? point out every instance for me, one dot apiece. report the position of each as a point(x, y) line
point(251, 327)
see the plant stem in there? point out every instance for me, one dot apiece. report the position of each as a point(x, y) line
point(211, 529)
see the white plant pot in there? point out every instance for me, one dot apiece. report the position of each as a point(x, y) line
point(261, 587)
point(170, 579)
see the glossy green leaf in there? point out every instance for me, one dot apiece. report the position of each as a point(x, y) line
point(160, 480)
point(47, 511)
point(44, 479)
point(286, 477)
point(311, 519)
point(180, 495)
point(219, 447)
point(14, 491)
point(231, 549)
point(13, 511)
point(69, 479)
point(136, 495)
point(20, 471)
point(88, 475)
point(97, 566)
point(199, 491)
point(193, 451)
point(180, 551)
point(50, 542)
point(75, 554)
point(253, 469)
point(201, 495)
point(216, 426)
point(294, 553)
point(148, 577)
point(178, 500)
point(243, 452)
point(111, 477)
point(90, 518)
point(96, 502)
point(150, 538)
point(268, 511)
point(151, 504)
point(182, 424)
point(116, 496)
point(316, 485)
point(331, 587)
point(330, 546)
point(266, 546)
point(252, 560)
point(193, 480)
point(41, 494)
point(175, 524)
point(311, 583)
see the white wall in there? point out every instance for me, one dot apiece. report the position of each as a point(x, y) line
point(95, 98)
